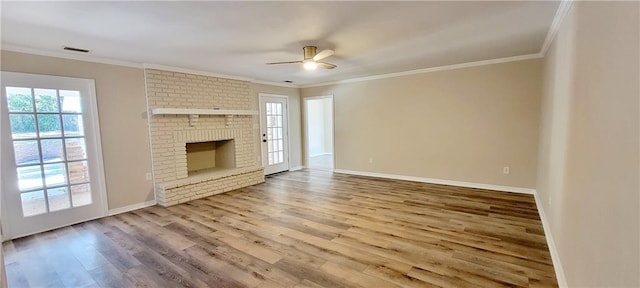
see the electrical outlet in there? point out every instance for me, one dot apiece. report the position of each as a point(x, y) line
point(370, 160)
point(147, 176)
point(505, 170)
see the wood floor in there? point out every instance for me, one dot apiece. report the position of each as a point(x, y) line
point(301, 229)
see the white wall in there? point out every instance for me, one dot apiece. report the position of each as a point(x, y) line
point(588, 168)
point(461, 125)
point(328, 126)
point(315, 125)
point(320, 128)
point(319, 123)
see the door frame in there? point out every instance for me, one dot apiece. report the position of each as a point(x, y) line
point(306, 127)
point(94, 125)
point(3, 275)
point(261, 110)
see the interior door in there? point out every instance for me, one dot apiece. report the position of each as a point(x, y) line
point(274, 131)
point(52, 164)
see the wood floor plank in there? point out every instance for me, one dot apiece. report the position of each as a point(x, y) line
point(223, 269)
point(400, 278)
point(301, 229)
point(314, 275)
point(356, 277)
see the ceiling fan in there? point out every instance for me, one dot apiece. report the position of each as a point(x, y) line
point(312, 58)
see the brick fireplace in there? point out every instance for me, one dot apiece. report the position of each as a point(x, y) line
point(223, 150)
point(209, 156)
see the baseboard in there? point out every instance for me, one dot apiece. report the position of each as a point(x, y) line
point(131, 207)
point(296, 168)
point(555, 257)
point(319, 154)
point(440, 181)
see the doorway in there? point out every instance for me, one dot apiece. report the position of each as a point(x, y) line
point(319, 136)
point(52, 171)
point(274, 132)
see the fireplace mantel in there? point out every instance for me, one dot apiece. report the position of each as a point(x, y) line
point(191, 111)
point(195, 113)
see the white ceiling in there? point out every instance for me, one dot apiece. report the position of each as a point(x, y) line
point(237, 38)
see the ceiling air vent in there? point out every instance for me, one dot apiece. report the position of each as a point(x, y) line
point(288, 81)
point(75, 49)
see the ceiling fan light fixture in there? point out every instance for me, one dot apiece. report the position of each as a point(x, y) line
point(310, 65)
point(311, 60)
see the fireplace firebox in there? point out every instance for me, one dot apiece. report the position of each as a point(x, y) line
point(203, 157)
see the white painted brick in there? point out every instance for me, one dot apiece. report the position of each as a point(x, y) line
point(169, 132)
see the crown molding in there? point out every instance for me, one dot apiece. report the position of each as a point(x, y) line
point(233, 77)
point(275, 84)
point(95, 59)
point(563, 9)
point(70, 56)
point(429, 70)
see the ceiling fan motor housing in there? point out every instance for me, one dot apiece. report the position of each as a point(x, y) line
point(309, 52)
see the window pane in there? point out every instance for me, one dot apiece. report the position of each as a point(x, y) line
point(76, 150)
point(52, 150)
point(81, 195)
point(22, 126)
point(78, 172)
point(269, 133)
point(71, 101)
point(46, 100)
point(29, 177)
point(49, 125)
point(73, 125)
point(279, 136)
point(26, 152)
point(281, 145)
point(268, 108)
point(55, 174)
point(270, 158)
point(279, 121)
point(33, 203)
point(278, 108)
point(19, 99)
point(58, 198)
point(269, 146)
point(281, 157)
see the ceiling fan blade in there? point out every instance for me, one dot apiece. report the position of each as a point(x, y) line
point(286, 62)
point(326, 65)
point(323, 54)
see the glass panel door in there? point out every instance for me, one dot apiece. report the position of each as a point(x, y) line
point(49, 151)
point(51, 165)
point(273, 113)
point(275, 139)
